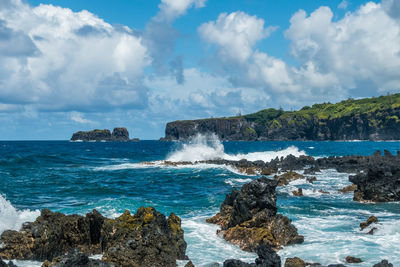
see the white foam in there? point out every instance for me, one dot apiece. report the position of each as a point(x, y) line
point(209, 147)
point(237, 181)
point(11, 218)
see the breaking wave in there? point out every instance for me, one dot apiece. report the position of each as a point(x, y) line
point(11, 218)
point(209, 147)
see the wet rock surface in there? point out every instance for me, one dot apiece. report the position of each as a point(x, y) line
point(267, 257)
point(350, 259)
point(248, 218)
point(295, 262)
point(377, 176)
point(3, 264)
point(146, 238)
point(370, 220)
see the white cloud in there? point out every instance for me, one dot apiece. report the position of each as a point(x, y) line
point(78, 117)
point(235, 34)
point(358, 55)
point(171, 9)
point(64, 59)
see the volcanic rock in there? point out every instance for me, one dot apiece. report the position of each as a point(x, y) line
point(370, 220)
point(147, 238)
point(267, 257)
point(348, 189)
point(248, 217)
point(3, 264)
point(295, 262)
point(288, 177)
point(118, 134)
point(350, 259)
point(383, 263)
point(298, 192)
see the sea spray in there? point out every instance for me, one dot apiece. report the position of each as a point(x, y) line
point(209, 147)
point(11, 218)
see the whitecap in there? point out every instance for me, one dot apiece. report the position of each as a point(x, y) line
point(11, 218)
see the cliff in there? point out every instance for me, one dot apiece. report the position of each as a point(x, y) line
point(118, 134)
point(362, 119)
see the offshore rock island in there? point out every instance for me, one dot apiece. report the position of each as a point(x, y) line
point(363, 119)
point(118, 135)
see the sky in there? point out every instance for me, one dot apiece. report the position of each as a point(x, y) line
point(70, 65)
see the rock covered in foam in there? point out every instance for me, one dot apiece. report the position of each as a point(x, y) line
point(249, 218)
point(3, 264)
point(383, 263)
point(147, 238)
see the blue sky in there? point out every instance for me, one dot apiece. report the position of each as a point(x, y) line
point(69, 65)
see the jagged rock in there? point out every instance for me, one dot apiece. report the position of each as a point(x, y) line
point(76, 259)
point(144, 239)
point(189, 264)
point(248, 217)
point(3, 264)
point(298, 192)
point(52, 235)
point(380, 183)
point(295, 262)
point(147, 238)
point(267, 257)
point(348, 189)
point(383, 263)
point(269, 170)
point(118, 134)
point(323, 192)
point(288, 177)
point(370, 220)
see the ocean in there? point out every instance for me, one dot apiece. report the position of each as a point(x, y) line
point(76, 177)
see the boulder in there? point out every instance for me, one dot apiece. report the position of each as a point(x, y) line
point(295, 262)
point(298, 192)
point(248, 218)
point(147, 238)
point(348, 189)
point(288, 177)
point(370, 220)
point(267, 257)
point(350, 259)
point(383, 263)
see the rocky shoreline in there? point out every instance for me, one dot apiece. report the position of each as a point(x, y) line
point(146, 238)
point(248, 218)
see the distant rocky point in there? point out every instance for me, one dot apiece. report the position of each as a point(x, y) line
point(118, 135)
point(376, 118)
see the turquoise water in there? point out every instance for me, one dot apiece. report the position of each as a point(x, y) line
point(77, 177)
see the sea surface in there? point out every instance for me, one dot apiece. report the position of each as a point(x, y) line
point(76, 177)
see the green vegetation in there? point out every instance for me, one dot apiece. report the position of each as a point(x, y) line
point(344, 108)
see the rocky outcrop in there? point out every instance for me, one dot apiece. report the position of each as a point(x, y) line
point(350, 259)
point(118, 135)
point(380, 183)
point(147, 238)
point(348, 189)
point(364, 119)
point(370, 220)
point(295, 262)
point(383, 263)
point(267, 257)
point(288, 177)
point(76, 259)
point(248, 218)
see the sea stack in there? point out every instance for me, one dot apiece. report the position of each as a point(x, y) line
point(118, 135)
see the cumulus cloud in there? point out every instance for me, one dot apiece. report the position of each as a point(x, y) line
point(58, 59)
point(343, 5)
point(235, 34)
point(358, 55)
point(78, 118)
point(171, 9)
